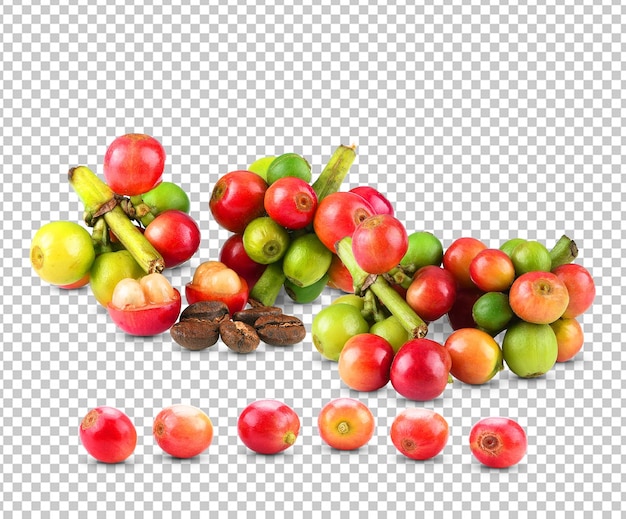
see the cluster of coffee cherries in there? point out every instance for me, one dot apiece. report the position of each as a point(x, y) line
point(136, 226)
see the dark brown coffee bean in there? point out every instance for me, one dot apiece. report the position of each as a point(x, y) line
point(214, 311)
point(250, 315)
point(239, 336)
point(195, 334)
point(280, 330)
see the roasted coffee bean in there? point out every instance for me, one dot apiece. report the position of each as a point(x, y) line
point(250, 315)
point(213, 311)
point(195, 334)
point(239, 336)
point(280, 329)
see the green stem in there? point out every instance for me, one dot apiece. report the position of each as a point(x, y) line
point(393, 301)
point(99, 200)
point(267, 288)
point(334, 172)
point(371, 309)
point(396, 304)
point(100, 236)
point(565, 251)
point(141, 210)
point(146, 219)
point(398, 276)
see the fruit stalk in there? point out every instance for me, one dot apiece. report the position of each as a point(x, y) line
point(335, 171)
point(100, 236)
point(393, 301)
point(401, 276)
point(565, 251)
point(140, 210)
point(267, 288)
point(99, 200)
point(371, 308)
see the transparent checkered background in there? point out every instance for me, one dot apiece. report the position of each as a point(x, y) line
point(475, 118)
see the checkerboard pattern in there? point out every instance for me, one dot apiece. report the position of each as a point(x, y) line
point(476, 118)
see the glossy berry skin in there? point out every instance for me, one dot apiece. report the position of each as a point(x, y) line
point(569, 337)
point(265, 241)
point(392, 331)
point(133, 164)
point(379, 243)
point(432, 292)
point(237, 199)
point(77, 284)
point(458, 257)
point(234, 256)
point(492, 270)
point(580, 287)
point(338, 215)
point(335, 325)
point(498, 442)
point(182, 431)
point(145, 307)
point(268, 426)
point(163, 197)
point(376, 199)
point(365, 361)
point(339, 276)
point(421, 369)
point(291, 202)
point(419, 434)
point(288, 165)
point(529, 350)
point(152, 319)
point(531, 256)
point(175, 235)
point(62, 252)
point(492, 312)
point(424, 249)
point(476, 356)
point(346, 424)
point(539, 297)
point(108, 434)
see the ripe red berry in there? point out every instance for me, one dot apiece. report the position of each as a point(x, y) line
point(498, 442)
